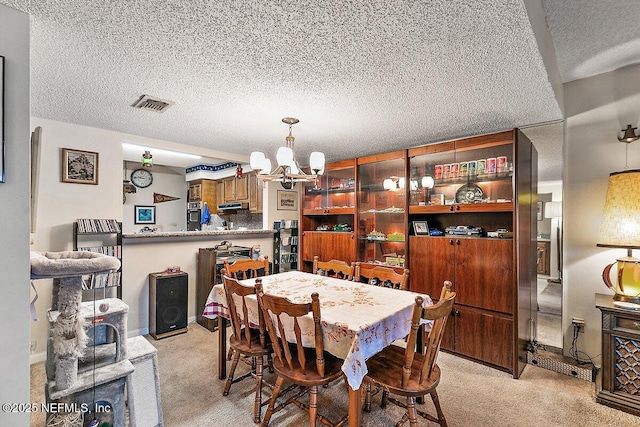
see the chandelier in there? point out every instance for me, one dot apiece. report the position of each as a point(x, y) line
point(288, 171)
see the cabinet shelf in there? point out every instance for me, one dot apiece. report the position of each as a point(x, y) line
point(486, 177)
point(462, 207)
point(383, 211)
point(330, 190)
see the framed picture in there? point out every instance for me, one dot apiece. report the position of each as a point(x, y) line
point(144, 214)
point(436, 199)
point(287, 200)
point(420, 227)
point(539, 211)
point(2, 177)
point(79, 167)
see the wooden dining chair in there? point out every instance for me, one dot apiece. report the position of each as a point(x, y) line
point(410, 373)
point(247, 268)
point(381, 275)
point(334, 268)
point(250, 342)
point(308, 367)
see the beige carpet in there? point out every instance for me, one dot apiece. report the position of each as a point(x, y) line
point(471, 394)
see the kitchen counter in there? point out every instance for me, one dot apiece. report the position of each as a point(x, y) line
point(193, 235)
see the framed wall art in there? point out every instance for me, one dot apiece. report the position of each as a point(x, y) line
point(2, 170)
point(79, 167)
point(144, 214)
point(287, 200)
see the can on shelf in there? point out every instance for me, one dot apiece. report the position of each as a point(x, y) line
point(464, 169)
point(482, 166)
point(438, 172)
point(455, 170)
point(472, 165)
point(501, 164)
point(446, 171)
point(491, 165)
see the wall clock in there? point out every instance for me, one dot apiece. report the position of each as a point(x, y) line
point(141, 178)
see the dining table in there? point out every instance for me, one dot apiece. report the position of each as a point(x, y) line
point(358, 320)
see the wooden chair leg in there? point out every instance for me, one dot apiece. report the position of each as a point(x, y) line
point(313, 405)
point(436, 402)
point(385, 396)
point(234, 364)
point(367, 398)
point(257, 405)
point(411, 411)
point(272, 403)
point(230, 354)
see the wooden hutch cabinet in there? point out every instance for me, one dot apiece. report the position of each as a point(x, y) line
point(483, 182)
point(328, 211)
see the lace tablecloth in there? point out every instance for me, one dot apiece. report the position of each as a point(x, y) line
point(358, 320)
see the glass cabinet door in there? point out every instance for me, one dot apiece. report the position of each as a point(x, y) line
point(381, 209)
point(461, 177)
point(333, 192)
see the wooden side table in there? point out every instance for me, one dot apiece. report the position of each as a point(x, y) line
point(620, 356)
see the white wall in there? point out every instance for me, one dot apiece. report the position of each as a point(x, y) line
point(60, 204)
point(170, 216)
point(14, 211)
point(597, 109)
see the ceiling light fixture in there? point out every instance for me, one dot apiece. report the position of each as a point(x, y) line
point(629, 135)
point(147, 159)
point(288, 171)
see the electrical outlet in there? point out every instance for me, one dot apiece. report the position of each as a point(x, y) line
point(33, 346)
point(578, 323)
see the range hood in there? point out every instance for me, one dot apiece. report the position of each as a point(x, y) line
point(233, 206)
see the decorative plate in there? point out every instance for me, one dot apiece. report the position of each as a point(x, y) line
point(469, 193)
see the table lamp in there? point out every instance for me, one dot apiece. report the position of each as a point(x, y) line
point(621, 229)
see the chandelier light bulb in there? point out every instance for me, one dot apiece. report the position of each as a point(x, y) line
point(256, 160)
point(284, 156)
point(316, 161)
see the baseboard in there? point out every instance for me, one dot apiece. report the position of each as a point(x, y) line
point(37, 357)
point(562, 364)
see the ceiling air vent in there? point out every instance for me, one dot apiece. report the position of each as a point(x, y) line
point(150, 103)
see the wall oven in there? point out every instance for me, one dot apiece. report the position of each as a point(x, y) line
point(194, 213)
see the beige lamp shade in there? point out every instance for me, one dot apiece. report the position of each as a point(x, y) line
point(621, 219)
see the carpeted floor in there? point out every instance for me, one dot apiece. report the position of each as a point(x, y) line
point(550, 299)
point(471, 394)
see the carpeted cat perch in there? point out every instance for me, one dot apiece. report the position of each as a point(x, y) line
point(68, 331)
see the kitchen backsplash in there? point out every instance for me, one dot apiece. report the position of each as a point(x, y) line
point(240, 219)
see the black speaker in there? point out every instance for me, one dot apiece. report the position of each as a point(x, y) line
point(168, 304)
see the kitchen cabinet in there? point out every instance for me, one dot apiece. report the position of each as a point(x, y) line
point(381, 204)
point(236, 189)
point(544, 258)
point(488, 182)
point(256, 187)
point(203, 190)
point(328, 215)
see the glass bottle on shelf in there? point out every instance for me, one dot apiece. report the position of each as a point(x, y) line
point(381, 209)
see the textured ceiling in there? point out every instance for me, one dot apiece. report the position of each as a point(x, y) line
point(594, 37)
point(363, 76)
